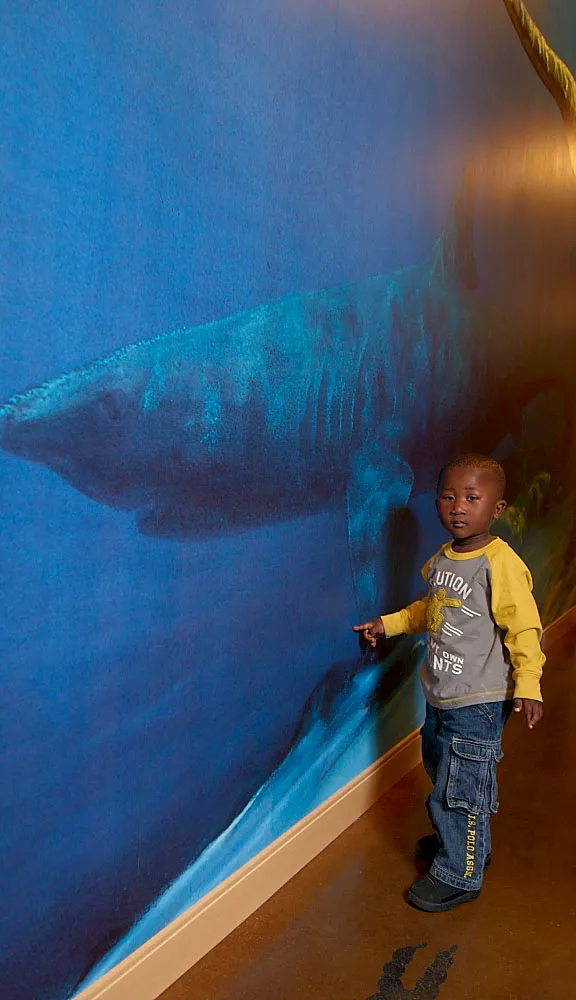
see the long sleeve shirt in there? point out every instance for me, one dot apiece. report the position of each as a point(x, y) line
point(483, 626)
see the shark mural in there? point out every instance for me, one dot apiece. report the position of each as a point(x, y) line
point(319, 399)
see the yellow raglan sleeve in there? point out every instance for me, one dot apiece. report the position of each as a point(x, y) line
point(410, 620)
point(515, 612)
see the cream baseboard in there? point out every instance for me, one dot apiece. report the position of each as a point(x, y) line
point(156, 965)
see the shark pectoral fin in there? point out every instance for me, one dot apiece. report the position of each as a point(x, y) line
point(378, 486)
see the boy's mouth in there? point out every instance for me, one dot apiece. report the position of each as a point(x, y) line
point(459, 524)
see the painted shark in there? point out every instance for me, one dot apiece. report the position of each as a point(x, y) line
point(316, 399)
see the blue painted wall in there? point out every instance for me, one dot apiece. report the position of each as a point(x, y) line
point(168, 165)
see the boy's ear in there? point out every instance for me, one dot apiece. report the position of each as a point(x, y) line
point(500, 508)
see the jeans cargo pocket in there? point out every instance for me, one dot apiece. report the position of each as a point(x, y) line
point(493, 797)
point(472, 766)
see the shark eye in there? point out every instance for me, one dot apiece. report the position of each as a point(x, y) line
point(113, 405)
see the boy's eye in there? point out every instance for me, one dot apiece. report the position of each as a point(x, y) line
point(472, 498)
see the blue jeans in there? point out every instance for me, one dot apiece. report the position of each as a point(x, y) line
point(461, 748)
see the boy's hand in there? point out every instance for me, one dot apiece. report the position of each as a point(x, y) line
point(534, 710)
point(371, 630)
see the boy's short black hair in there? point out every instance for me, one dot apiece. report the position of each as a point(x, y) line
point(474, 461)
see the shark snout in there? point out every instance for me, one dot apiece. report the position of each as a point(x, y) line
point(34, 439)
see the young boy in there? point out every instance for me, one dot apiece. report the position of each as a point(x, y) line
point(483, 657)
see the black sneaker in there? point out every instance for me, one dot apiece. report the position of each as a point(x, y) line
point(427, 848)
point(434, 896)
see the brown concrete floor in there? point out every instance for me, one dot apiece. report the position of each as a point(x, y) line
point(329, 932)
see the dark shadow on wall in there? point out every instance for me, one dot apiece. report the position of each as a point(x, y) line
point(399, 657)
point(400, 557)
point(399, 565)
point(401, 548)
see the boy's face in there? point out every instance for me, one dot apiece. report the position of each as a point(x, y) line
point(468, 501)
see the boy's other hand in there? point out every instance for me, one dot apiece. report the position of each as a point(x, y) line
point(371, 630)
point(534, 710)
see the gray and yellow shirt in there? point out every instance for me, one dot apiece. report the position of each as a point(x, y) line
point(483, 627)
